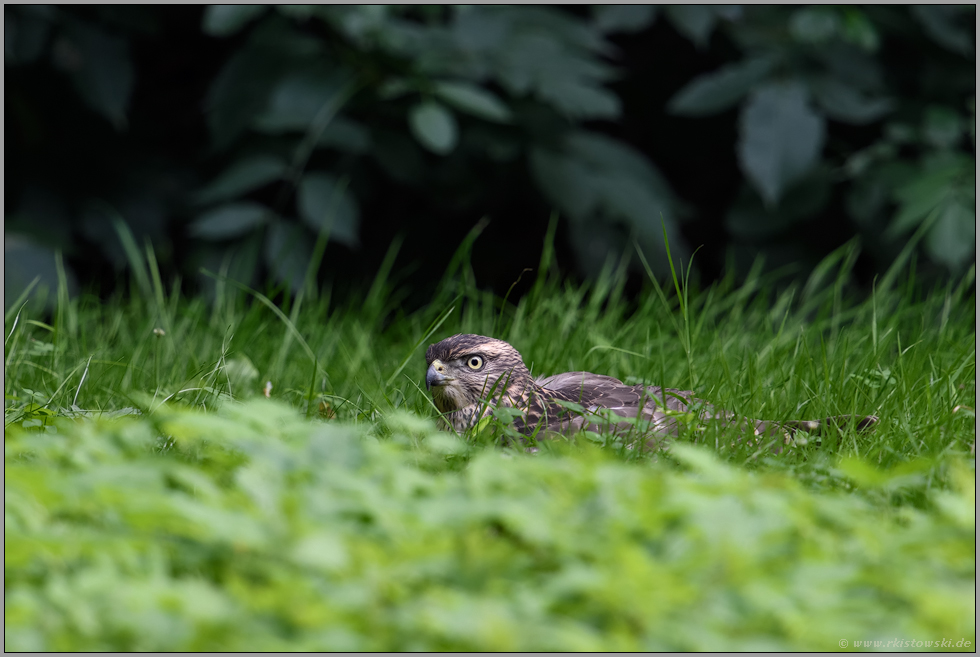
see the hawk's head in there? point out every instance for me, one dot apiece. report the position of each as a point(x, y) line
point(466, 369)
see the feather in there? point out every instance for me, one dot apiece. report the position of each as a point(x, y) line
point(582, 401)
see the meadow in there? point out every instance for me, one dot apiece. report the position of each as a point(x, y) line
point(185, 473)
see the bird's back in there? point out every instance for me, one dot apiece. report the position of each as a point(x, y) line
point(602, 398)
point(650, 412)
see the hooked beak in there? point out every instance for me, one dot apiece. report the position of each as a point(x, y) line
point(436, 375)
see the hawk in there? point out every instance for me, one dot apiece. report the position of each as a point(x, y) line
point(471, 375)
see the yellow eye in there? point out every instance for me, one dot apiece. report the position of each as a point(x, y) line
point(474, 362)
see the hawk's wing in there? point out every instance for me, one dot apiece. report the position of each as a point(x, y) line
point(658, 411)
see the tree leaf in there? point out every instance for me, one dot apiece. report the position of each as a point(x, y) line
point(859, 30)
point(596, 180)
point(100, 69)
point(434, 127)
point(231, 220)
point(845, 103)
point(952, 240)
point(326, 205)
point(780, 138)
point(693, 21)
point(566, 182)
point(946, 26)
point(298, 98)
point(288, 248)
point(23, 261)
point(241, 177)
point(714, 92)
point(322, 550)
point(581, 100)
point(606, 154)
point(479, 28)
point(25, 33)
point(925, 192)
point(242, 88)
point(942, 126)
point(557, 73)
point(814, 24)
point(474, 100)
point(623, 18)
point(751, 219)
point(346, 135)
point(225, 20)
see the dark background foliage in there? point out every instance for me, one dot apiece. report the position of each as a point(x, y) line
point(291, 146)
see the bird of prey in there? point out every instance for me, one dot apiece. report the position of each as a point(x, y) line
point(471, 375)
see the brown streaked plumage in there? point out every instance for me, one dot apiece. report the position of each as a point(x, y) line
point(469, 375)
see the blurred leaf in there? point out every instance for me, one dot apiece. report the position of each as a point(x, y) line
point(580, 101)
point(99, 67)
point(566, 182)
point(927, 190)
point(866, 475)
point(299, 12)
point(750, 218)
point(945, 24)
point(598, 179)
point(478, 28)
point(25, 33)
point(346, 135)
point(899, 133)
point(859, 163)
point(288, 248)
point(298, 98)
point(952, 240)
point(615, 157)
point(394, 88)
point(549, 56)
point(231, 220)
point(322, 550)
point(23, 261)
point(624, 18)
point(941, 127)
point(242, 177)
point(238, 261)
point(844, 103)
point(434, 127)
point(852, 66)
point(696, 22)
point(866, 199)
point(242, 88)
point(814, 24)
point(859, 30)
point(399, 156)
point(780, 138)
point(43, 216)
point(241, 371)
point(717, 91)
point(325, 205)
point(225, 20)
point(569, 30)
point(238, 93)
point(474, 100)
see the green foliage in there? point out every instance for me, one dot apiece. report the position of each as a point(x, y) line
point(154, 500)
point(251, 529)
point(407, 100)
point(803, 67)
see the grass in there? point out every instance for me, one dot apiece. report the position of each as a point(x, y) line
point(155, 500)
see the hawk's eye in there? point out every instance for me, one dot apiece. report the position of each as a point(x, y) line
point(474, 362)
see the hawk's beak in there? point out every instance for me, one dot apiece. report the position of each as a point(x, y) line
point(436, 376)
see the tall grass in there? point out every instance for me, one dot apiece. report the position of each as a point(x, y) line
point(804, 352)
point(336, 517)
